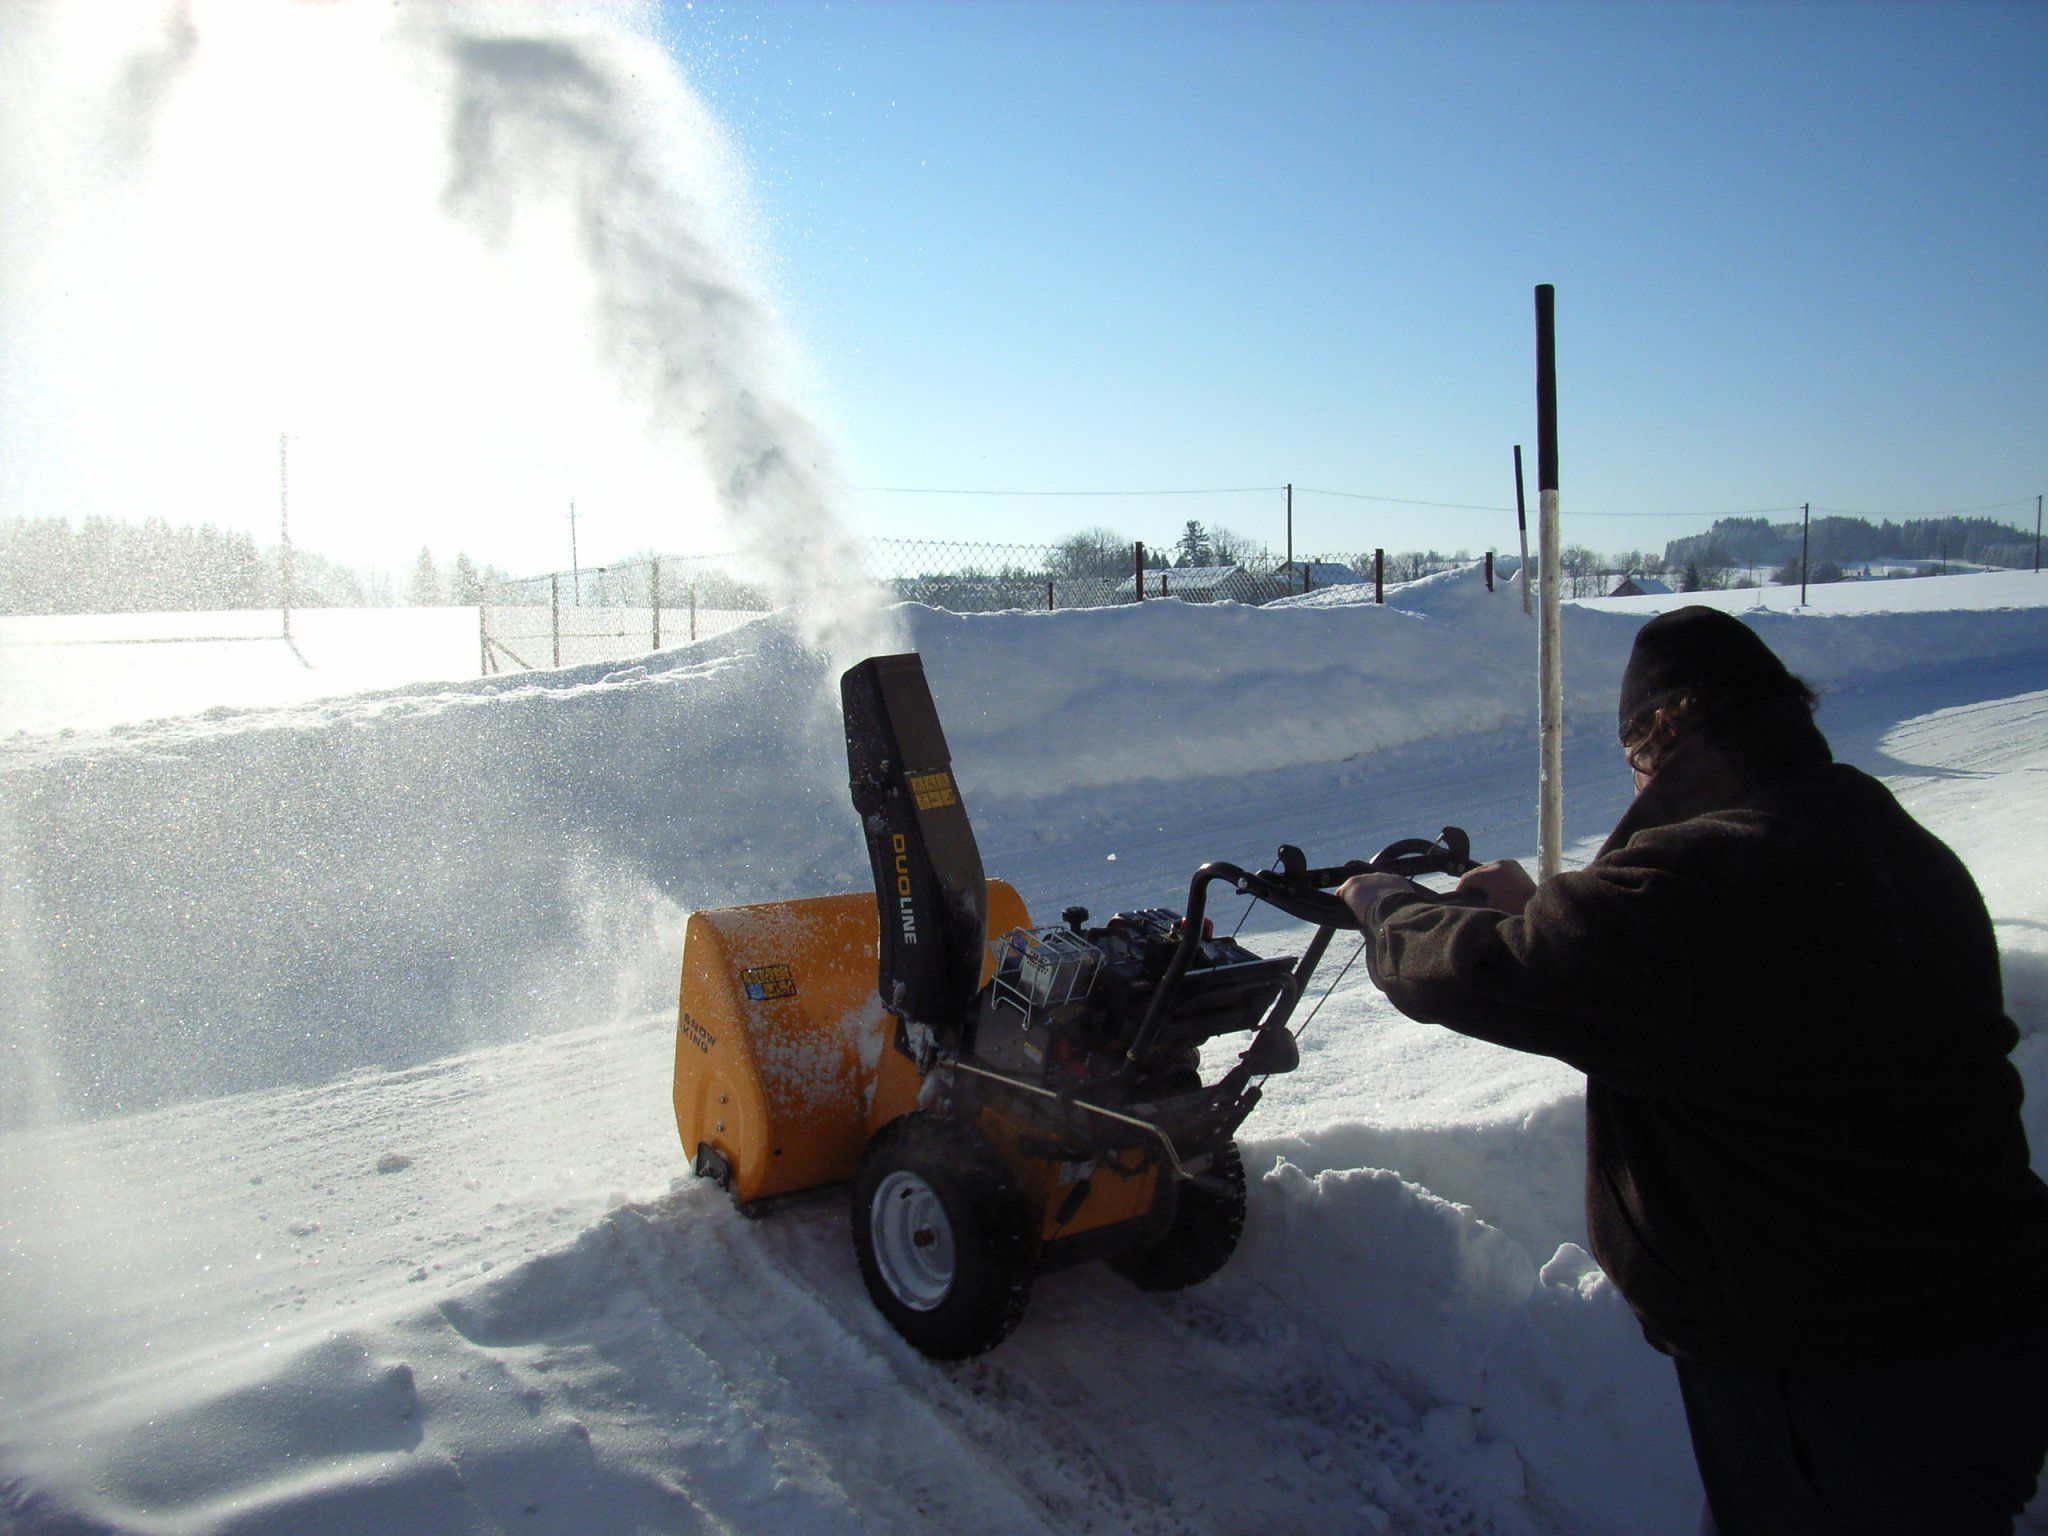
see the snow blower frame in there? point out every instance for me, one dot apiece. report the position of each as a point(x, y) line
point(1004, 1107)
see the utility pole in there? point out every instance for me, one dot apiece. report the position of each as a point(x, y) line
point(575, 571)
point(1805, 528)
point(1290, 527)
point(284, 531)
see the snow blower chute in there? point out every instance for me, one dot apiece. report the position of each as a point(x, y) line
point(1004, 1098)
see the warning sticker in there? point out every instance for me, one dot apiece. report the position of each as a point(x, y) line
point(933, 790)
point(764, 982)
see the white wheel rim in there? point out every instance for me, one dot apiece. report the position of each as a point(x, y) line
point(913, 1241)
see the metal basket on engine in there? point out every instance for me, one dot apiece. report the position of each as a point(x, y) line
point(1038, 969)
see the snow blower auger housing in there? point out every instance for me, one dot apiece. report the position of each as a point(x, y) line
point(1004, 1098)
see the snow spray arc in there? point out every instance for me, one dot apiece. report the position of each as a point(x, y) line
point(556, 127)
point(478, 223)
point(480, 258)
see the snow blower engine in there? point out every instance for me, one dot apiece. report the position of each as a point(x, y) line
point(1006, 1098)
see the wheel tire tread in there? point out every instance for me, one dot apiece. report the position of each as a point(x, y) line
point(991, 1233)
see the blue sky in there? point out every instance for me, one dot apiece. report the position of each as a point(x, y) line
point(1801, 253)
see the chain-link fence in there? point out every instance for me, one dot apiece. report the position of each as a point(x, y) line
point(632, 607)
point(610, 612)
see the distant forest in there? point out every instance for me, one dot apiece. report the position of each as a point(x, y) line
point(1845, 541)
point(105, 566)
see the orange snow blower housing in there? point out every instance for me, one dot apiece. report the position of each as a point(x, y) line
point(1003, 1107)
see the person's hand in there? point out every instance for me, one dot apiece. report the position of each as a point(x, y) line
point(1361, 891)
point(1503, 885)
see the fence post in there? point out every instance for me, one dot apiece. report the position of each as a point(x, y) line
point(1048, 597)
point(1379, 575)
point(693, 610)
point(1489, 570)
point(1138, 557)
point(654, 583)
point(1305, 565)
point(555, 613)
point(483, 643)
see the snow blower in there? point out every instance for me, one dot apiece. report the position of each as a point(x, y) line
point(1002, 1108)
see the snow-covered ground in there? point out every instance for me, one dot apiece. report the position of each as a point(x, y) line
point(340, 1190)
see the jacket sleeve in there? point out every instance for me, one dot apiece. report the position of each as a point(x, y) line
point(1617, 969)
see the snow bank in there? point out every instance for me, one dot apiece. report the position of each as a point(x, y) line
point(1539, 1385)
point(252, 897)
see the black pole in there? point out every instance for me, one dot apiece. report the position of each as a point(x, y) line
point(2037, 535)
point(1379, 575)
point(1546, 387)
point(1805, 528)
point(1138, 563)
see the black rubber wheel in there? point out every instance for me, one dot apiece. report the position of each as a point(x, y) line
point(1206, 1226)
point(942, 1236)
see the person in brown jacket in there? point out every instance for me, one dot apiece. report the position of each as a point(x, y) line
point(1805, 1164)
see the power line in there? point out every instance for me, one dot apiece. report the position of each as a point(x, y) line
point(1997, 506)
point(1411, 501)
point(1692, 517)
point(1402, 501)
point(931, 490)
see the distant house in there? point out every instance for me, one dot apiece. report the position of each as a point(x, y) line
point(971, 594)
point(1640, 586)
point(1320, 574)
point(1200, 584)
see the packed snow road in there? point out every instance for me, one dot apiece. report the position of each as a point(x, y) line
point(471, 1289)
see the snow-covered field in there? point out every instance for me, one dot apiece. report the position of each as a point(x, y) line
point(85, 672)
point(339, 1190)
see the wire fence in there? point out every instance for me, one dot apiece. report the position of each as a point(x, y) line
point(632, 607)
point(628, 608)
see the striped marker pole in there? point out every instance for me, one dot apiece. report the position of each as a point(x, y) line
point(1522, 527)
point(1549, 631)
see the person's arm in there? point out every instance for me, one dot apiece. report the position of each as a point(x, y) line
point(1591, 972)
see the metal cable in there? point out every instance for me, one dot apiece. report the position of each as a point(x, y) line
point(1331, 988)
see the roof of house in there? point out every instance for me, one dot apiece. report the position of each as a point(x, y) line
point(1187, 578)
point(1324, 573)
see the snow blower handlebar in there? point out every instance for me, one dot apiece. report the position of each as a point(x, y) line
point(1304, 893)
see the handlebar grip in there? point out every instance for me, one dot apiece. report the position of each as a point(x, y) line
point(1310, 906)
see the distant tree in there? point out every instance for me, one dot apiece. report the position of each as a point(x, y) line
point(424, 590)
point(1581, 570)
point(1193, 544)
point(1690, 581)
point(465, 586)
point(1092, 554)
point(1230, 548)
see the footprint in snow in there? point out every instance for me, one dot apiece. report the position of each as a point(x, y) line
point(393, 1162)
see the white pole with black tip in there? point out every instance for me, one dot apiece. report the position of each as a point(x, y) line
point(1549, 629)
